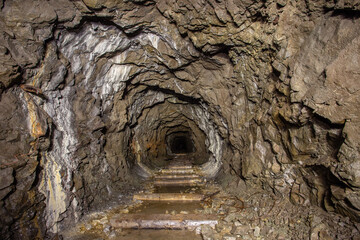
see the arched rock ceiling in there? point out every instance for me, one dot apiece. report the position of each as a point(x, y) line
point(271, 85)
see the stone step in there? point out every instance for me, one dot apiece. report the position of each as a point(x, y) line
point(169, 197)
point(177, 171)
point(177, 189)
point(180, 167)
point(177, 176)
point(162, 221)
point(177, 182)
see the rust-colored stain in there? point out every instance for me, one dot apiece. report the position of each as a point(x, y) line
point(152, 147)
point(155, 147)
point(133, 146)
point(37, 130)
point(31, 89)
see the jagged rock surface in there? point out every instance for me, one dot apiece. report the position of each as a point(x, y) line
point(268, 88)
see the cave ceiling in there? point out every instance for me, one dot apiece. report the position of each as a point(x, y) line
point(92, 91)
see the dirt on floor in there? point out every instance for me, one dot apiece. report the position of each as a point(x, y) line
point(255, 215)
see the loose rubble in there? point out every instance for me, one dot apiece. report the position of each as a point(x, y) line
point(256, 215)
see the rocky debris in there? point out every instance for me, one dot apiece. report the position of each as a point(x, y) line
point(267, 217)
point(261, 215)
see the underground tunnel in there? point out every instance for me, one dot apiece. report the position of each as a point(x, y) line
point(144, 119)
point(180, 143)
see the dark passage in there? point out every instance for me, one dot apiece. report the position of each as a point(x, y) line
point(180, 143)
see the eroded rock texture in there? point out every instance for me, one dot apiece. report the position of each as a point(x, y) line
point(264, 91)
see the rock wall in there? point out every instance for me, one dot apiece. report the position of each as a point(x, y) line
point(90, 89)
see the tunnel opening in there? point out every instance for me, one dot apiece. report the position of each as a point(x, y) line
point(169, 129)
point(180, 143)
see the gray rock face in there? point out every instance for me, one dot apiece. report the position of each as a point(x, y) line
point(265, 91)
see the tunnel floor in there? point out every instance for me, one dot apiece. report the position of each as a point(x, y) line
point(178, 203)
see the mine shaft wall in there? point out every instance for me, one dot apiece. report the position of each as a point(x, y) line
point(269, 87)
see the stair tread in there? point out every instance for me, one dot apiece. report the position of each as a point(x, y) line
point(176, 177)
point(164, 216)
point(176, 182)
point(169, 197)
point(162, 224)
point(180, 167)
point(165, 170)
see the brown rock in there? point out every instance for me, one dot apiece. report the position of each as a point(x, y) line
point(9, 71)
point(37, 11)
point(64, 9)
point(260, 86)
point(6, 177)
point(94, 4)
point(25, 176)
point(5, 192)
